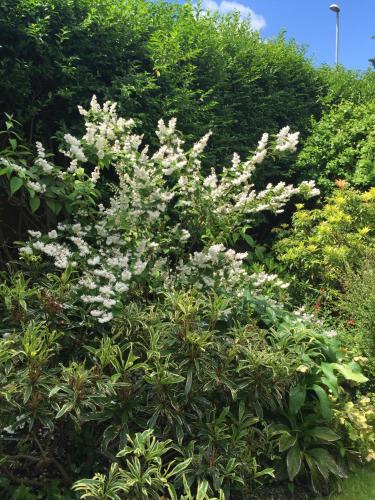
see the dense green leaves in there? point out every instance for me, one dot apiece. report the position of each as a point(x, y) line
point(155, 59)
point(341, 146)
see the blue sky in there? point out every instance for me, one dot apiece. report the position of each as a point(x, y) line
point(311, 23)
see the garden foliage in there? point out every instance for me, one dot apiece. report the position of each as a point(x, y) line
point(139, 348)
point(151, 346)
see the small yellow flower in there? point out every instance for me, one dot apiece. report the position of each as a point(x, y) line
point(302, 369)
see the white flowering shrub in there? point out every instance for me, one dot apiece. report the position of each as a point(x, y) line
point(166, 226)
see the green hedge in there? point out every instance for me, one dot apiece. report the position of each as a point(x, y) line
point(154, 59)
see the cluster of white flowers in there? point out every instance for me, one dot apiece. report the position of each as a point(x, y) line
point(74, 150)
point(161, 207)
point(261, 151)
point(36, 186)
point(13, 167)
point(285, 141)
point(104, 128)
point(331, 333)
point(41, 160)
point(304, 317)
point(259, 280)
point(214, 267)
point(105, 261)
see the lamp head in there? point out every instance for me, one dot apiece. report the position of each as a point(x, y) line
point(335, 7)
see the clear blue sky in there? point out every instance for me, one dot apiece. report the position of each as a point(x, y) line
point(311, 23)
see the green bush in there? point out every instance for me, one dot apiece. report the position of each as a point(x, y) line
point(341, 146)
point(140, 350)
point(155, 59)
point(357, 307)
point(343, 85)
point(324, 243)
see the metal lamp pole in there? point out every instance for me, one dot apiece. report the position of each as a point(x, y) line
point(335, 8)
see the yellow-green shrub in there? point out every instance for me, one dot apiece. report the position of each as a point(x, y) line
point(357, 420)
point(325, 242)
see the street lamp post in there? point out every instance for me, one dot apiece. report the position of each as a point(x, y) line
point(335, 8)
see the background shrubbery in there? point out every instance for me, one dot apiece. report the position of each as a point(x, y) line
point(341, 146)
point(154, 59)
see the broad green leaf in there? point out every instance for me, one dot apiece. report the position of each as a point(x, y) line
point(15, 184)
point(325, 404)
point(286, 441)
point(315, 475)
point(109, 435)
point(324, 433)
point(297, 397)
point(54, 205)
point(5, 170)
point(294, 461)
point(321, 465)
point(34, 203)
point(347, 371)
point(322, 455)
point(329, 379)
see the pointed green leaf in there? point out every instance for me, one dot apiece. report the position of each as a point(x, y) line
point(202, 490)
point(297, 397)
point(179, 468)
point(55, 206)
point(325, 404)
point(324, 433)
point(34, 203)
point(64, 409)
point(15, 184)
point(286, 441)
point(172, 492)
point(27, 393)
point(189, 380)
point(294, 461)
